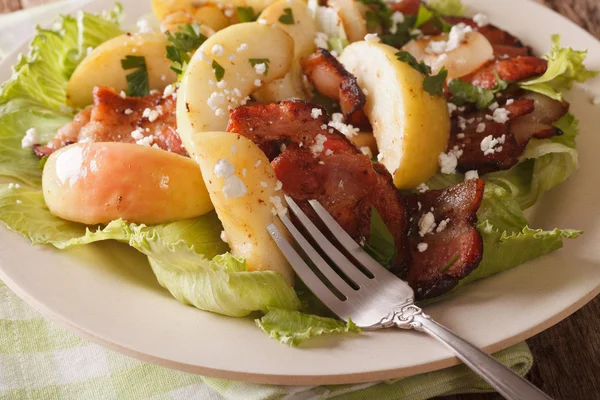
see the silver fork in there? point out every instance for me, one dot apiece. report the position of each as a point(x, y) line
point(381, 300)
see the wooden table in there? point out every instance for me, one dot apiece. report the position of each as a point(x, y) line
point(567, 356)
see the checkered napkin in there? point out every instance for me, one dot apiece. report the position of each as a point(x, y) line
point(40, 360)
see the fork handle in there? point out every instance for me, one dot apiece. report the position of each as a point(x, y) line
point(510, 385)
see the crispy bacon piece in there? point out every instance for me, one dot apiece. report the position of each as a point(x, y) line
point(454, 237)
point(345, 181)
point(406, 7)
point(112, 118)
point(530, 115)
point(512, 70)
point(331, 79)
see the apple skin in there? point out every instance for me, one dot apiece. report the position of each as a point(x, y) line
point(95, 183)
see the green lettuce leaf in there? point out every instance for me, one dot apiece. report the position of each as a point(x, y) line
point(294, 327)
point(565, 67)
point(451, 8)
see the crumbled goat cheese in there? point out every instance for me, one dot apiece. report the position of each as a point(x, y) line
point(244, 172)
point(447, 162)
point(234, 149)
point(346, 129)
point(316, 113)
point(481, 20)
point(371, 37)
point(264, 184)
point(221, 84)
point(30, 139)
point(460, 136)
point(260, 68)
point(233, 186)
point(366, 151)
point(442, 225)
point(278, 207)
point(488, 144)
point(462, 123)
point(321, 40)
point(422, 188)
point(128, 111)
point(456, 37)
point(397, 18)
point(137, 134)
point(224, 236)
point(493, 106)
point(471, 175)
point(318, 146)
point(426, 224)
point(228, 13)
point(422, 247)
point(510, 101)
point(123, 94)
point(365, 91)
point(278, 186)
point(257, 163)
point(145, 141)
point(257, 82)
point(451, 108)
point(328, 152)
point(262, 21)
point(217, 50)
point(144, 26)
point(380, 156)
point(215, 100)
point(480, 127)
point(501, 115)
point(152, 115)
point(243, 47)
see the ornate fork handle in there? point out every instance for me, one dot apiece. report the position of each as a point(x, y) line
point(504, 380)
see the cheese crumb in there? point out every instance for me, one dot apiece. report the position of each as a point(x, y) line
point(397, 18)
point(471, 175)
point(260, 68)
point(316, 113)
point(442, 225)
point(480, 127)
point(215, 100)
point(278, 186)
point(321, 40)
point(128, 111)
point(222, 84)
point(257, 163)
point(233, 186)
point(30, 139)
point(217, 50)
point(123, 94)
point(318, 147)
point(152, 115)
point(224, 236)
point(460, 136)
point(426, 224)
point(228, 13)
point(422, 188)
point(264, 184)
point(501, 115)
point(371, 37)
point(510, 101)
point(481, 20)
point(451, 108)
point(346, 129)
point(493, 106)
point(366, 151)
point(422, 247)
point(488, 144)
point(257, 82)
point(328, 152)
point(278, 207)
point(456, 37)
point(448, 162)
point(164, 181)
point(243, 47)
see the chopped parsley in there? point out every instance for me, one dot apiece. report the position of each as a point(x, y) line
point(381, 241)
point(246, 14)
point(287, 17)
point(404, 33)
point(219, 70)
point(465, 92)
point(449, 264)
point(432, 84)
point(379, 14)
point(255, 61)
point(183, 43)
point(137, 81)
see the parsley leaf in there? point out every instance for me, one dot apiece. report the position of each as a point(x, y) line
point(402, 34)
point(183, 43)
point(246, 14)
point(380, 13)
point(465, 92)
point(449, 264)
point(287, 17)
point(424, 15)
point(432, 84)
point(137, 81)
point(381, 242)
point(219, 70)
point(256, 61)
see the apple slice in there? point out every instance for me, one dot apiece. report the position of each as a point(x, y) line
point(95, 183)
point(411, 126)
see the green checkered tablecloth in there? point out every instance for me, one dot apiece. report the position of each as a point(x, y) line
point(40, 360)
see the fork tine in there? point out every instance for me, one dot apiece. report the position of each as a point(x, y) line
point(307, 275)
point(349, 244)
point(316, 258)
point(328, 248)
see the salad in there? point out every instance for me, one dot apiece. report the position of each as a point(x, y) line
point(425, 132)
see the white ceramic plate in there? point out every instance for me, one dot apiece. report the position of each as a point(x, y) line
point(108, 294)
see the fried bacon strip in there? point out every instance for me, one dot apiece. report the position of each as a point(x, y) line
point(512, 70)
point(322, 164)
point(454, 246)
point(113, 118)
point(331, 79)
